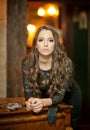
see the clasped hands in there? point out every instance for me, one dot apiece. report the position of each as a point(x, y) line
point(34, 104)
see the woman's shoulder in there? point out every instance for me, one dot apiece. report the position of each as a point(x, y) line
point(25, 61)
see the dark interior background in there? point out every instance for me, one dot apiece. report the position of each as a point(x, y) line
point(76, 40)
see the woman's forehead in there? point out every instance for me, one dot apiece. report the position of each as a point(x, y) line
point(45, 32)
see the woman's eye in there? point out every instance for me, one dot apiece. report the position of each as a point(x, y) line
point(51, 40)
point(40, 40)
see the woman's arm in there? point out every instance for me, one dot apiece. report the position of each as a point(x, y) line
point(46, 102)
point(56, 98)
point(36, 104)
point(26, 80)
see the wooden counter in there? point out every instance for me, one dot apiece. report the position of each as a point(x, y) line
point(21, 119)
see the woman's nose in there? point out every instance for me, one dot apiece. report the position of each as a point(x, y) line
point(45, 43)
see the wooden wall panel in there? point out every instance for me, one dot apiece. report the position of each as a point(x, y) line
point(16, 45)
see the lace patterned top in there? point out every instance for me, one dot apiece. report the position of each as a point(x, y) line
point(43, 82)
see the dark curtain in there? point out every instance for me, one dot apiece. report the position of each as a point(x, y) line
point(80, 58)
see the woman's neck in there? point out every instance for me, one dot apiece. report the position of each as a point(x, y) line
point(45, 63)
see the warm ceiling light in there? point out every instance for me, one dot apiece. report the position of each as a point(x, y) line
point(31, 28)
point(41, 11)
point(31, 31)
point(48, 10)
point(52, 11)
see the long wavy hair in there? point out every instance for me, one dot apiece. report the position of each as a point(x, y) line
point(61, 71)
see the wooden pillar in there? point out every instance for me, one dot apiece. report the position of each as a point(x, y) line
point(16, 45)
point(3, 54)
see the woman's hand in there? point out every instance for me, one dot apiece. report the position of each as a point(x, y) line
point(34, 104)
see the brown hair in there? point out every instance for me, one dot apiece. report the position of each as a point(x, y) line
point(61, 70)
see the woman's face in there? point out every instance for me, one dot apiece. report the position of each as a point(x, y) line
point(45, 43)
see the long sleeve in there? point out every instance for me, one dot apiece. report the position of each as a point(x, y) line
point(58, 97)
point(26, 79)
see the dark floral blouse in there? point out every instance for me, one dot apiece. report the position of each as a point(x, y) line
point(43, 84)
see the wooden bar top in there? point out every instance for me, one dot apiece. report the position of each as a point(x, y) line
point(5, 101)
point(22, 116)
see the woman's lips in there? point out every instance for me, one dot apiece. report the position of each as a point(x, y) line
point(45, 49)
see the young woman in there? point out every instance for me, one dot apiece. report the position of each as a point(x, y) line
point(48, 76)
